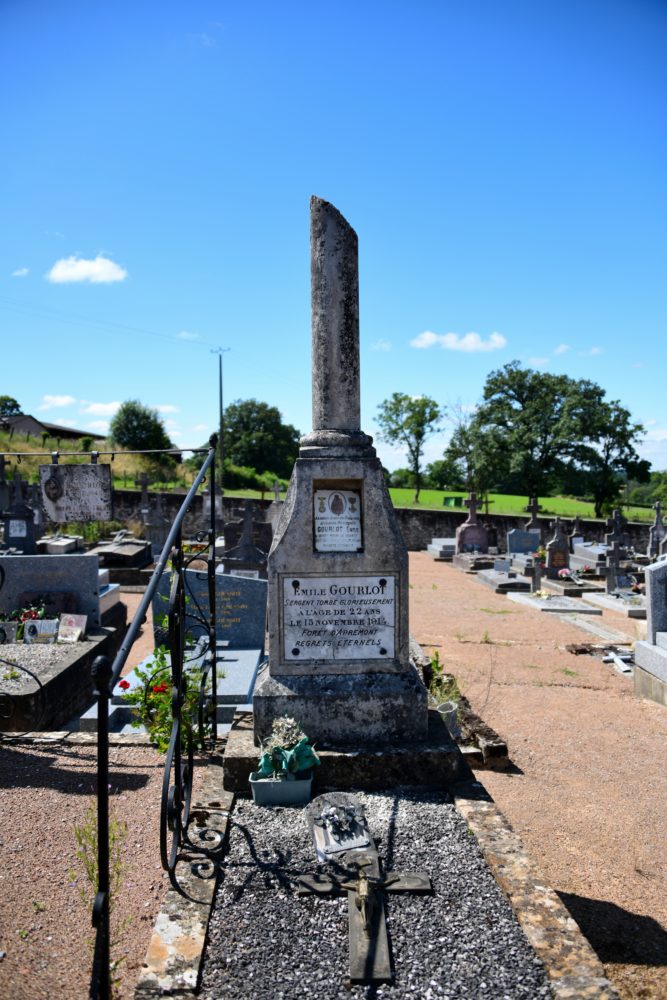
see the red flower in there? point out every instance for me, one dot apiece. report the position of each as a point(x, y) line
point(159, 688)
point(124, 685)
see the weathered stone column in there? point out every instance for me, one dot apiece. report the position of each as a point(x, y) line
point(334, 277)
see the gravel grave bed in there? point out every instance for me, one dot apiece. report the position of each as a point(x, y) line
point(267, 942)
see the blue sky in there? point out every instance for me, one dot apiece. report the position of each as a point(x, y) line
point(502, 163)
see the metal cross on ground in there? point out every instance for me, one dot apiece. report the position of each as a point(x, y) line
point(358, 873)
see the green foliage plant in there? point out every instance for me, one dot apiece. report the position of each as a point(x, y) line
point(151, 700)
point(138, 428)
point(442, 686)
point(85, 834)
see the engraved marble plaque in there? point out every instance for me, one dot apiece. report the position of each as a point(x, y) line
point(76, 492)
point(337, 518)
point(339, 618)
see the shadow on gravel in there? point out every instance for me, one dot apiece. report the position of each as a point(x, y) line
point(23, 769)
point(618, 935)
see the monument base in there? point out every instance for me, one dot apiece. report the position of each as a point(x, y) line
point(339, 711)
point(433, 760)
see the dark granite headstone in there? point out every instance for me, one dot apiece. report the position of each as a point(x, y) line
point(558, 550)
point(522, 542)
point(240, 607)
point(65, 583)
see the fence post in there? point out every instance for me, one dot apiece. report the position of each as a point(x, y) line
point(100, 986)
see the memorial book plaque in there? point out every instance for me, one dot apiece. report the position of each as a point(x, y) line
point(337, 520)
point(347, 617)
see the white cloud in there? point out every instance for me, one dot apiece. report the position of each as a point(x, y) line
point(654, 448)
point(166, 408)
point(99, 425)
point(650, 423)
point(562, 349)
point(381, 345)
point(100, 409)
point(470, 343)
point(592, 353)
point(20, 272)
point(200, 427)
point(49, 402)
point(175, 434)
point(171, 424)
point(98, 270)
point(61, 422)
point(538, 362)
point(187, 335)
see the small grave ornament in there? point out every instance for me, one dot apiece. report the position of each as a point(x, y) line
point(340, 828)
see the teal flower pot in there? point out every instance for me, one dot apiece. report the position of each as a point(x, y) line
point(281, 791)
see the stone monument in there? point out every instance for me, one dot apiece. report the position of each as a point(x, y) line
point(558, 550)
point(657, 533)
point(471, 536)
point(338, 567)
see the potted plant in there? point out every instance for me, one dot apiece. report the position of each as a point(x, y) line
point(285, 771)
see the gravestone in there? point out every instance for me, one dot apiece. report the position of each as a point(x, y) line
point(66, 583)
point(657, 533)
point(240, 607)
point(338, 617)
point(76, 492)
point(533, 508)
point(651, 655)
point(558, 550)
point(471, 536)
point(20, 534)
point(591, 554)
point(522, 542)
point(246, 556)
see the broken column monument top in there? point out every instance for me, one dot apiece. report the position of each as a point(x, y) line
point(334, 276)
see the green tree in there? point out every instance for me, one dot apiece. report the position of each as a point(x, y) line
point(476, 453)
point(138, 428)
point(409, 420)
point(535, 423)
point(608, 456)
point(9, 407)
point(445, 474)
point(256, 436)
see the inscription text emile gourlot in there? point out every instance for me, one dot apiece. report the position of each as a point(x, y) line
point(327, 618)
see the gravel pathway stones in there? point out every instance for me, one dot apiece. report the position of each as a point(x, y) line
point(266, 942)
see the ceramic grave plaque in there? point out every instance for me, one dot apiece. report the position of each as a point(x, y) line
point(76, 492)
point(337, 520)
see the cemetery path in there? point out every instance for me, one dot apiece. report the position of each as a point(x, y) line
point(144, 643)
point(587, 791)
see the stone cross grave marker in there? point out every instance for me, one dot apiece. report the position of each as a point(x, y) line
point(338, 824)
point(533, 508)
point(338, 569)
point(657, 533)
point(4, 485)
point(558, 549)
point(575, 533)
point(246, 558)
point(19, 519)
point(614, 540)
point(276, 490)
point(471, 536)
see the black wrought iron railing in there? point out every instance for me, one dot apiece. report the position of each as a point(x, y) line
point(178, 767)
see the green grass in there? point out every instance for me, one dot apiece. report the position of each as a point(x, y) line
point(504, 503)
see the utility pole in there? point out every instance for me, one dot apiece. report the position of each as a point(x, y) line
point(220, 351)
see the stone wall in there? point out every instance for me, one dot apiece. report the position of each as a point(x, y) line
point(420, 526)
point(417, 526)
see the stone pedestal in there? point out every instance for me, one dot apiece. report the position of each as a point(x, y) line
point(338, 567)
